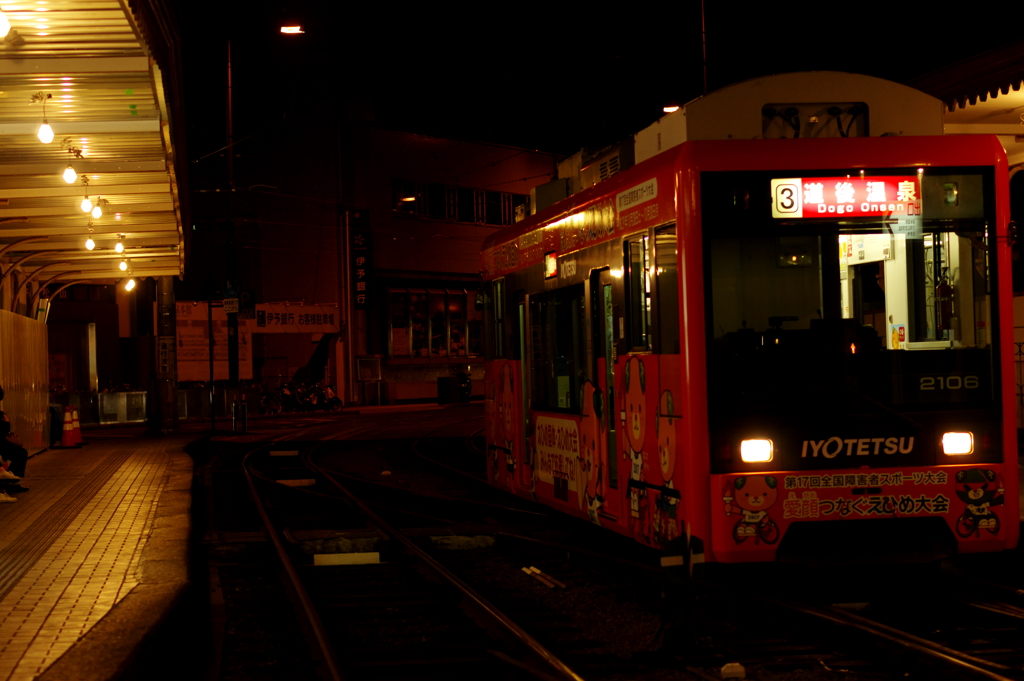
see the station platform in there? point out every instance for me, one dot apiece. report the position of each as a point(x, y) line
point(93, 556)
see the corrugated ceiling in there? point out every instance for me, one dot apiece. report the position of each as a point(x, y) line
point(104, 100)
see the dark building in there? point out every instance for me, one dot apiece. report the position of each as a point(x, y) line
point(376, 230)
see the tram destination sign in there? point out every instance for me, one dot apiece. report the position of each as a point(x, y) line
point(852, 196)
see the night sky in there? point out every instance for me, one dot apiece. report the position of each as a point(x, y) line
point(538, 76)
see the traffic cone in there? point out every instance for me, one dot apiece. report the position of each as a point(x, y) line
point(67, 438)
point(76, 428)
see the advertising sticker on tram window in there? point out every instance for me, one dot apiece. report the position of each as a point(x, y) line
point(898, 336)
point(861, 196)
point(558, 454)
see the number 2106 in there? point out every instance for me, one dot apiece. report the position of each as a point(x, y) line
point(949, 382)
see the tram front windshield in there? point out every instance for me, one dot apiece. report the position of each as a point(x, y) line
point(835, 309)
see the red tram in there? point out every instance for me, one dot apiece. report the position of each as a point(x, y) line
point(771, 349)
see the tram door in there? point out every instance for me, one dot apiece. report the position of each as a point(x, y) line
point(605, 355)
point(525, 477)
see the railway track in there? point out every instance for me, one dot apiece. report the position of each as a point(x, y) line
point(937, 625)
point(609, 620)
point(391, 611)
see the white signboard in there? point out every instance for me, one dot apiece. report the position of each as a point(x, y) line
point(281, 318)
point(636, 195)
point(193, 341)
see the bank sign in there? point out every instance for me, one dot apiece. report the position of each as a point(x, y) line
point(853, 196)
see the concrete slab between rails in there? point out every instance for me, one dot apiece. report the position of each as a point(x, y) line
point(109, 648)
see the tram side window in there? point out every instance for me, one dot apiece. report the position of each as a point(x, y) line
point(558, 348)
point(495, 309)
point(638, 292)
point(667, 302)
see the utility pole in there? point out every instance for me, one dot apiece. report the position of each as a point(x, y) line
point(231, 288)
point(164, 413)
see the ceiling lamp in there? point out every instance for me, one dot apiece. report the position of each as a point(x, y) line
point(45, 132)
point(5, 25)
point(123, 266)
point(119, 247)
point(89, 243)
point(69, 173)
point(86, 204)
point(129, 285)
point(97, 211)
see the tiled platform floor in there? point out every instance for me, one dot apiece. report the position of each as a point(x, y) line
point(74, 546)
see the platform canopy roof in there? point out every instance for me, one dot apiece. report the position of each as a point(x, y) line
point(984, 94)
point(106, 73)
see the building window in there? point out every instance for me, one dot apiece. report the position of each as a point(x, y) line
point(456, 204)
point(434, 324)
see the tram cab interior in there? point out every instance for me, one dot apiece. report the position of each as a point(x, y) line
point(820, 314)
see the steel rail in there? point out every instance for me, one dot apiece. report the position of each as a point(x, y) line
point(1005, 609)
point(469, 442)
point(446, 497)
point(963, 662)
point(308, 609)
point(923, 642)
point(559, 670)
point(470, 476)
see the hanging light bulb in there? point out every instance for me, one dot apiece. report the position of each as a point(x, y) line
point(97, 211)
point(119, 247)
point(5, 25)
point(129, 285)
point(45, 133)
point(123, 266)
point(86, 205)
point(89, 244)
point(70, 175)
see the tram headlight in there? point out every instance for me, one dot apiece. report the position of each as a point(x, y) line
point(756, 451)
point(957, 444)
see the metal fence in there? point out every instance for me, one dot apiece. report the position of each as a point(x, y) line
point(24, 371)
point(124, 407)
point(130, 406)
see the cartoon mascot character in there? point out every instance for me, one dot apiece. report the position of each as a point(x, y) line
point(634, 415)
point(666, 523)
point(506, 418)
point(979, 490)
point(751, 496)
point(593, 445)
